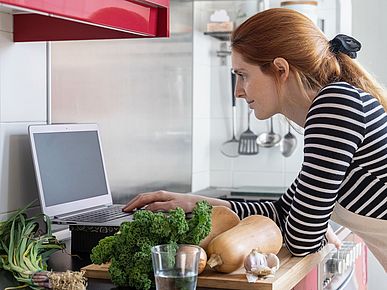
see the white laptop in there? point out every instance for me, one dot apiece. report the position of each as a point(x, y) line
point(71, 176)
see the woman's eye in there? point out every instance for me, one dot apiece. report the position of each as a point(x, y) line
point(242, 76)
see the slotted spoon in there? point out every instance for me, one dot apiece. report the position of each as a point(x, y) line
point(248, 140)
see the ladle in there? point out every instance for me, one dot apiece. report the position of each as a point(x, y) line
point(230, 147)
point(288, 143)
point(269, 139)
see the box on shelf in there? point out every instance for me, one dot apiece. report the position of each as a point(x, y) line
point(220, 26)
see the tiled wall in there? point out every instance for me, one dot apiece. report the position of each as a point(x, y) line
point(22, 102)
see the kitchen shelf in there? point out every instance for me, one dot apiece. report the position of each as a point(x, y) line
point(221, 35)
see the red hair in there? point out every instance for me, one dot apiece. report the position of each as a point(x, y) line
point(281, 32)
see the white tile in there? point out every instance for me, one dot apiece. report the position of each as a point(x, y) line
point(220, 133)
point(289, 178)
point(330, 22)
point(201, 145)
point(200, 180)
point(258, 178)
point(202, 52)
point(22, 80)
point(327, 4)
point(201, 91)
point(219, 178)
point(268, 159)
point(201, 42)
point(6, 22)
point(17, 178)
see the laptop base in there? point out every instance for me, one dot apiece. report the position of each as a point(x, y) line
point(85, 238)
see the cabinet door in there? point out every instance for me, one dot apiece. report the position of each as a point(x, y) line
point(361, 266)
point(47, 20)
point(309, 282)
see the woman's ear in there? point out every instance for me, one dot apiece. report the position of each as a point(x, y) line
point(282, 67)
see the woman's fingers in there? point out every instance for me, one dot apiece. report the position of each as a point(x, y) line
point(146, 198)
point(333, 238)
point(161, 206)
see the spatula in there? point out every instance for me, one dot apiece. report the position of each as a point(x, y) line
point(248, 140)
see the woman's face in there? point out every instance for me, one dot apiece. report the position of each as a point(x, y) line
point(258, 89)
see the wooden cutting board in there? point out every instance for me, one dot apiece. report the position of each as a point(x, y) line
point(237, 279)
point(97, 271)
point(208, 278)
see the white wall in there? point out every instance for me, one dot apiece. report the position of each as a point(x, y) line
point(22, 102)
point(201, 103)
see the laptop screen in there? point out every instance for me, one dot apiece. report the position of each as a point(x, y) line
point(70, 165)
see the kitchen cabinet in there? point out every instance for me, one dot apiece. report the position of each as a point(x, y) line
point(47, 20)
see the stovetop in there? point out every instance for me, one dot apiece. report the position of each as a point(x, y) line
point(247, 198)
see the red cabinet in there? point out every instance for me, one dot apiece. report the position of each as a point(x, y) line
point(48, 20)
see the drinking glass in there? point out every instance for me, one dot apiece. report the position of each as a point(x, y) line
point(175, 266)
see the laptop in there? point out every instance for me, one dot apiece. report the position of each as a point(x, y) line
point(71, 175)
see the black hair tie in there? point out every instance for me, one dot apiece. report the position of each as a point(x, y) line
point(345, 44)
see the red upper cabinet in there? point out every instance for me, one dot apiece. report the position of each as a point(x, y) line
point(47, 20)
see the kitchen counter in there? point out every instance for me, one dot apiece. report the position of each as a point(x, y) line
point(289, 274)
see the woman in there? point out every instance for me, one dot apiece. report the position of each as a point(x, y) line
point(284, 64)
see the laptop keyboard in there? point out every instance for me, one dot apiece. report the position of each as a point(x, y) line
point(99, 216)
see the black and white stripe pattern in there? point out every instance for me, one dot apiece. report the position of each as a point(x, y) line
point(345, 161)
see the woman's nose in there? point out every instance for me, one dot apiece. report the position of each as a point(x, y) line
point(239, 92)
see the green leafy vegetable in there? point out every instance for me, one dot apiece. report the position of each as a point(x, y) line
point(24, 250)
point(129, 250)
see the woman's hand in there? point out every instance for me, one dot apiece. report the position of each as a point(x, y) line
point(332, 237)
point(165, 200)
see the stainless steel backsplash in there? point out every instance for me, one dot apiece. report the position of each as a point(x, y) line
point(140, 93)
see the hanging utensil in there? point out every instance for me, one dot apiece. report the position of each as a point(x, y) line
point(248, 140)
point(230, 147)
point(269, 139)
point(288, 143)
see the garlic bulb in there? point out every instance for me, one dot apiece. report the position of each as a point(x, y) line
point(272, 262)
point(255, 260)
point(260, 265)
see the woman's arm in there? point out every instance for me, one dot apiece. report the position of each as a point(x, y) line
point(166, 200)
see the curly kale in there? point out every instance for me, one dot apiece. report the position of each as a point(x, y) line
point(129, 250)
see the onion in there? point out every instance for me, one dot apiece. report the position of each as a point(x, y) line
point(202, 257)
point(202, 260)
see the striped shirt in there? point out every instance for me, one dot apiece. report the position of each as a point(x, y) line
point(345, 161)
